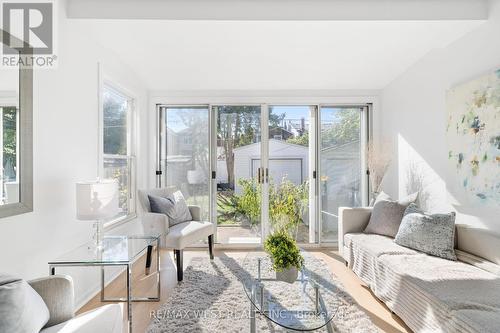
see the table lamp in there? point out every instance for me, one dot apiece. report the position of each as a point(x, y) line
point(95, 201)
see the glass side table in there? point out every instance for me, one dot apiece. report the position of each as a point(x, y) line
point(116, 251)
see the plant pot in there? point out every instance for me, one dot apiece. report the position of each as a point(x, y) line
point(288, 275)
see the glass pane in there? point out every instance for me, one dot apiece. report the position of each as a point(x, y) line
point(9, 125)
point(118, 167)
point(115, 249)
point(185, 157)
point(115, 107)
point(289, 169)
point(340, 179)
point(238, 191)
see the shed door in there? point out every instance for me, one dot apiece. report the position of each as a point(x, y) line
point(280, 169)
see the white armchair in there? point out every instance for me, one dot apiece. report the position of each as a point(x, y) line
point(180, 235)
point(58, 294)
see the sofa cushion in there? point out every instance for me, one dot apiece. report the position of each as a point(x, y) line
point(387, 215)
point(452, 289)
point(188, 233)
point(173, 205)
point(22, 310)
point(107, 318)
point(433, 234)
point(365, 249)
point(430, 294)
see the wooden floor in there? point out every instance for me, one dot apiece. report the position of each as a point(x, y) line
point(146, 286)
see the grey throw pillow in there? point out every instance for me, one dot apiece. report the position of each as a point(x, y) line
point(432, 234)
point(173, 205)
point(22, 310)
point(387, 215)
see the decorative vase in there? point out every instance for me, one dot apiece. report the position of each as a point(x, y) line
point(288, 275)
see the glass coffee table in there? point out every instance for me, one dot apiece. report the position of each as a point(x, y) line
point(299, 306)
point(116, 251)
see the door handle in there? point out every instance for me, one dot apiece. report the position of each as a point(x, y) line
point(258, 176)
point(267, 175)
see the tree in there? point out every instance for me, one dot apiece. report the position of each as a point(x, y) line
point(239, 126)
point(302, 140)
point(196, 123)
point(115, 125)
point(9, 143)
point(344, 130)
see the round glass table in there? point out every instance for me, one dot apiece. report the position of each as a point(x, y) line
point(304, 305)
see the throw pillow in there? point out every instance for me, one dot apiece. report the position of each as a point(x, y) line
point(387, 215)
point(433, 234)
point(173, 205)
point(21, 308)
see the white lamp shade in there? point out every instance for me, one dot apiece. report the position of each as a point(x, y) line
point(97, 200)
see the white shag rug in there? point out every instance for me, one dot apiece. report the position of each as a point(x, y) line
point(212, 299)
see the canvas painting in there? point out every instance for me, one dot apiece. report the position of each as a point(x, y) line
point(474, 137)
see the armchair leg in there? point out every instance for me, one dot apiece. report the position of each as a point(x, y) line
point(178, 260)
point(148, 259)
point(211, 246)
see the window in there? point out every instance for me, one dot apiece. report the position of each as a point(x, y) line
point(9, 155)
point(117, 149)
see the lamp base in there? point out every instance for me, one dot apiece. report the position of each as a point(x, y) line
point(98, 235)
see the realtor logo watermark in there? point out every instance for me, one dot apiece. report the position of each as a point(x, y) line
point(28, 34)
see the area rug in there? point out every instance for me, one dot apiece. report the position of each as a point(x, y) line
point(212, 299)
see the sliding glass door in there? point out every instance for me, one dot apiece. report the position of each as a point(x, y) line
point(290, 147)
point(238, 145)
point(343, 180)
point(255, 168)
point(184, 163)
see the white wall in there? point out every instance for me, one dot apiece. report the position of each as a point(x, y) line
point(65, 151)
point(414, 119)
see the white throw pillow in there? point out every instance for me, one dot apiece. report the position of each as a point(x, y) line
point(22, 310)
point(174, 206)
point(433, 234)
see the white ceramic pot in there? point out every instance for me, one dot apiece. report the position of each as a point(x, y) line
point(288, 275)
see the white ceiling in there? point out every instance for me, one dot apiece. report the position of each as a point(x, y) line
point(258, 55)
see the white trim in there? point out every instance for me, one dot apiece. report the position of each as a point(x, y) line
point(313, 167)
point(264, 163)
point(106, 82)
point(9, 98)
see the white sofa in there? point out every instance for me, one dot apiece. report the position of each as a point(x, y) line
point(429, 294)
point(57, 293)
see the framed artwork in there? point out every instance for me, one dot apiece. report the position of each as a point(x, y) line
point(473, 134)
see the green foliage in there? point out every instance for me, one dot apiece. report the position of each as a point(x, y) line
point(287, 202)
point(249, 200)
point(9, 143)
point(345, 130)
point(302, 140)
point(284, 251)
point(115, 124)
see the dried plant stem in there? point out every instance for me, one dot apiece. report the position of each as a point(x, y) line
point(378, 160)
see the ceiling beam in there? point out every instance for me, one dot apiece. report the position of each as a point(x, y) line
point(280, 10)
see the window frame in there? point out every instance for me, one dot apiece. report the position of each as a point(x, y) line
point(106, 83)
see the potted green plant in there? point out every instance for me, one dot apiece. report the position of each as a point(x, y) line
point(285, 255)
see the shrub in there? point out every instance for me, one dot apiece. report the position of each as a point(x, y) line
point(249, 200)
point(284, 251)
point(287, 202)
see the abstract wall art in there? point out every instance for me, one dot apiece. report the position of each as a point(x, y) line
point(473, 134)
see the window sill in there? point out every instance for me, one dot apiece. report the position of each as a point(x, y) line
point(119, 221)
